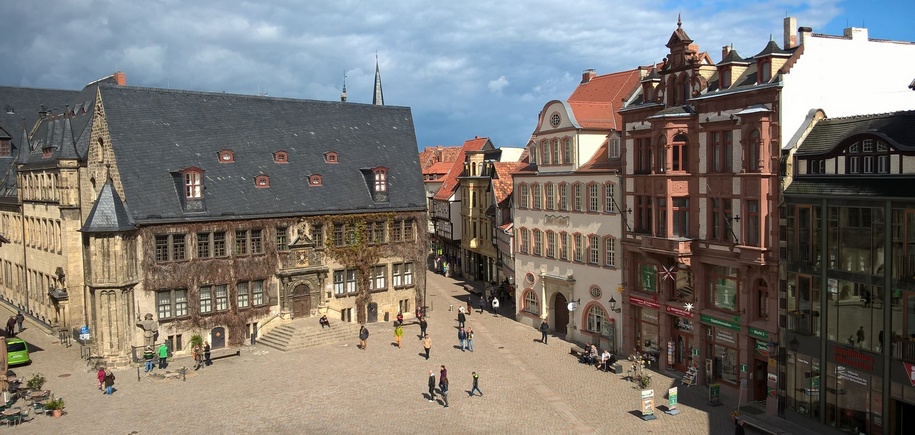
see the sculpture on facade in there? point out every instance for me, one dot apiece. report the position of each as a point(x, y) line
point(150, 329)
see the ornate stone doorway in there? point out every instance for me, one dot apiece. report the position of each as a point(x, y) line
point(301, 301)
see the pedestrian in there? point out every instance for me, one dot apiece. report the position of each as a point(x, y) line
point(163, 355)
point(427, 344)
point(476, 385)
point(469, 310)
point(198, 357)
point(19, 319)
point(109, 382)
point(495, 306)
point(462, 338)
point(431, 386)
point(443, 373)
point(11, 327)
point(398, 334)
point(400, 317)
point(461, 318)
point(206, 354)
point(860, 336)
point(470, 339)
point(443, 386)
point(422, 327)
point(148, 357)
point(544, 328)
point(363, 336)
point(482, 304)
point(101, 378)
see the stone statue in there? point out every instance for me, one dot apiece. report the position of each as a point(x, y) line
point(150, 329)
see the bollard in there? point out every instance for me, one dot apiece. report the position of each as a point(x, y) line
point(184, 374)
point(451, 307)
point(138, 374)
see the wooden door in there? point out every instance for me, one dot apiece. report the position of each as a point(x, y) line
point(560, 313)
point(301, 301)
point(760, 377)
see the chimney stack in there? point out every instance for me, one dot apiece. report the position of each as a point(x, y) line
point(120, 78)
point(724, 51)
point(587, 75)
point(790, 36)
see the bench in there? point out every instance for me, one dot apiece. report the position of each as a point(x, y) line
point(224, 352)
point(577, 352)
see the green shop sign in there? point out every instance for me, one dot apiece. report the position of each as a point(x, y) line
point(758, 333)
point(648, 278)
point(718, 322)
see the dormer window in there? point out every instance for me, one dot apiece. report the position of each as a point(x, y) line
point(262, 181)
point(381, 179)
point(6, 150)
point(764, 73)
point(315, 180)
point(226, 156)
point(724, 79)
point(46, 152)
point(193, 183)
point(330, 157)
point(280, 157)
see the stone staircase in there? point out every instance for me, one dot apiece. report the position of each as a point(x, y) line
point(307, 332)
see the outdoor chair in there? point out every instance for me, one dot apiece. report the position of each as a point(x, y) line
point(26, 414)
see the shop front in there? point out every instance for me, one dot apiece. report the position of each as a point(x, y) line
point(681, 344)
point(647, 317)
point(759, 388)
point(723, 363)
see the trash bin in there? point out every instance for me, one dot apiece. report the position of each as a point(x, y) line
point(387, 316)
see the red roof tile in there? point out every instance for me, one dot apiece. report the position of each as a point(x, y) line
point(595, 103)
point(502, 186)
point(450, 181)
point(437, 154)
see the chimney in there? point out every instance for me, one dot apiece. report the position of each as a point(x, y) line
point(587, 75)
point(120, 78)
point(790, 36)
point(856, 33)
point(805, 33)
point(724, 51)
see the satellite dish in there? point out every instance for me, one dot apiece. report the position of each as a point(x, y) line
point(572, 306)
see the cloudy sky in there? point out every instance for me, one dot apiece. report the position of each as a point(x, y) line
point(468, 68)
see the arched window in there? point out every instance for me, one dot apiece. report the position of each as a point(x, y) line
point(226, 156)
point(262, 181)
point(680, 154)
point(531, 304)
point(280, 157)
point(597, 317)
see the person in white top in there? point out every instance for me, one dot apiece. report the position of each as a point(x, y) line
point(605, 361)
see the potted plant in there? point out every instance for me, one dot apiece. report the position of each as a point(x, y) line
point(196, 340)
point(35, 382)
point(56, 406)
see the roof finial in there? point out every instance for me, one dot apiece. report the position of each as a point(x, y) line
point(378, 98)
point(343, 94)
point(679, 21)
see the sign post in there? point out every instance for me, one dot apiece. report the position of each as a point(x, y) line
point(714, 394)
point(648, 405)
point(672, 402)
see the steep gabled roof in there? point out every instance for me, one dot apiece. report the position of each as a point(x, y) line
point(600, 161)
point(450, 182)
point(157, 133)
point(502, 181)
point(109, 213)
point(596, 102)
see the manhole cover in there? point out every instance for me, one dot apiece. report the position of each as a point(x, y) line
point(63, 375)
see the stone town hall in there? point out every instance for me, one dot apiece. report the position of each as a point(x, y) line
point(208, 213)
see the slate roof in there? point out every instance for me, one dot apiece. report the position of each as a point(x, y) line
point(595, 104)
point(155, 133)
point(108, 214)
point(897, 128)
point(851, 187)
point(450, 181)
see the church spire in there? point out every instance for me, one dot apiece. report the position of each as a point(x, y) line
point(343, 94)
point(378, 99)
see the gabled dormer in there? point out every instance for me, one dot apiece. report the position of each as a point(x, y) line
point(190, 188)
point(769, 62)
point(731, 67)
point(649, 85)
point(377, 181)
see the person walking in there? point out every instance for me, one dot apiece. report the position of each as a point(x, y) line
point(363, 336)
point(101, 378)
point(476, 385)
point(461, 317)
point(206, 354)
point(427, 344)
point(400, 317)
point(11, 327)
point(443, 386)
point(469, 309)
point(544, 328)
point(19, 319)
point(470, 339)
point(462, 338)
point(495, 306)
point(163, 355)
point(198, 357)
point(482, 304)
point(443, 373)
point(398, 334)
point(431, 386)
point(148, 357)
point(422, 327)
point(109, 382)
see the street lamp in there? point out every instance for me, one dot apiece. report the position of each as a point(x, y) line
point(613, 307)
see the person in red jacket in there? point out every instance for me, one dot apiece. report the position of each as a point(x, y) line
point(101, 378)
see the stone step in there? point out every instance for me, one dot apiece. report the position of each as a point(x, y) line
point(306, 333)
